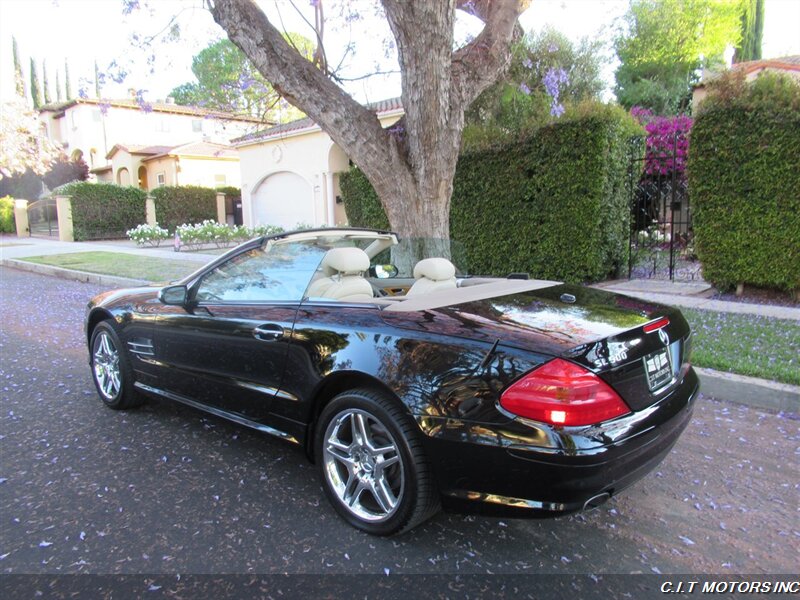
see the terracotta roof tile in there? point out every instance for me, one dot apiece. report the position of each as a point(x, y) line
point(164, 107)
point(382, 106)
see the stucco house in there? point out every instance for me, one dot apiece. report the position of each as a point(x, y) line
point(206, 164)
point(90, 128)
point(290, 172)
point(788, 65)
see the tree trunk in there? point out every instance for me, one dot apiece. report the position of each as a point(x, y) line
point(412, 166)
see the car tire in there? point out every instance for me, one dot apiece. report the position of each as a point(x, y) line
point(371, 461)
point(111, 370)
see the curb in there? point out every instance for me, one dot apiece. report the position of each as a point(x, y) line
point(83, 276)
point(739, 389)
point(750, 391)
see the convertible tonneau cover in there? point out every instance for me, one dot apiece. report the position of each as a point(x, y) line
point(488, 288)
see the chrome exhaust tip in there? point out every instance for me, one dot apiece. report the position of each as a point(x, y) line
point(596, 501)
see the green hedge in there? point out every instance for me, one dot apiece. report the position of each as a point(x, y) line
point(553, 204)
point(7, 223)
point(745, 183)
point(184, 204)
point(104, 210)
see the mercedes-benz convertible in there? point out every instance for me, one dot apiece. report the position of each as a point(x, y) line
point(411, 384)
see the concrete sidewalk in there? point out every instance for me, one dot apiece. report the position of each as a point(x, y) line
point(13, 247)
point(693, 295)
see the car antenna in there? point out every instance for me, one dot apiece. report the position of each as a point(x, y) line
point(488, 358)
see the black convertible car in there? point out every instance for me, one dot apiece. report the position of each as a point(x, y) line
point(410, 384)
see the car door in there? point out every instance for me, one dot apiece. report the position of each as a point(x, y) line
point(227, 348)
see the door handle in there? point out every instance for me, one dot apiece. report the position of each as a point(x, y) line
point(268, 332)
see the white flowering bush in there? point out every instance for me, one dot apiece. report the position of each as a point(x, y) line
point(150, 235)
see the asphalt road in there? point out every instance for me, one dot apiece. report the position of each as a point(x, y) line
point(166, 489)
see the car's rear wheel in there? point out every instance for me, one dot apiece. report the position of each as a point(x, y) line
point(111, 369)
point(372, 464)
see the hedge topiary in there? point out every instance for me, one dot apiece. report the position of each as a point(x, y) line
point(554, 204)
point(745, 183)
point(184, 204)
point(103, 210)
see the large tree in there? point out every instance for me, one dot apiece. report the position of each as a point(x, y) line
point(227, 81)
point(664, 44)
point(412, 165)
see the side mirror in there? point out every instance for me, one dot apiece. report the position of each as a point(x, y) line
point(383, 271)
point(173, 295)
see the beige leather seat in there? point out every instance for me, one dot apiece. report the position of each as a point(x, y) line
point(433, 275)
point(341, 276)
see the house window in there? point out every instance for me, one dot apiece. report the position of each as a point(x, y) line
point(161, 179)
point(197, 125)
point(220, 180)
point(162, 124)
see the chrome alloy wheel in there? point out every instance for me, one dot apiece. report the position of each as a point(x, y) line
point(363, 465)
point(105, 360)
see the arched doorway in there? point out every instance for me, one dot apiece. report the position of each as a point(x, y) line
point(284, 199)
point(123, 176)
point(143, 178)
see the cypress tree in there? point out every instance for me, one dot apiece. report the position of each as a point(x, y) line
point(96, 80)
point(67, 90)
point(36, 91)
point(19, 79)
point(752, 31)
point(45, 83)
point(58, 86)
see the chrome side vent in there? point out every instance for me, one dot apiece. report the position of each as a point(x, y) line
point(141, 347)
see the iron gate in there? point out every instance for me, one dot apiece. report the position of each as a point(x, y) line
point(661, 241)
point(43, 218)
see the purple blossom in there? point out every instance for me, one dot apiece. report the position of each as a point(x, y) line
point(82, 93)
point(143, 104)
point(527, 63)
point(552, 48)
point(104, 105)
point(128, 6)
point(553, 79)
point(667, 144)
point(523, 87)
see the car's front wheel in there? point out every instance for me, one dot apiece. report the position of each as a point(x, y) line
point(111, 371)
point(372, 464)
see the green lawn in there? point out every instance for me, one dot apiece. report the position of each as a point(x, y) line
point(120, 265)
point(746, 344)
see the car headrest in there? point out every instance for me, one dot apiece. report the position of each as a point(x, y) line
point(436, 269)
point(345, 260)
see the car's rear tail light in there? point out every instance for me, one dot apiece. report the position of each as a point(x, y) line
point(562, 393)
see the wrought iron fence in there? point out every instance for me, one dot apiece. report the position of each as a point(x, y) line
point(661, 239)
point(43, 218)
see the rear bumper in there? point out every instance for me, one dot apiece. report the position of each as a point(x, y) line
point(497, 471)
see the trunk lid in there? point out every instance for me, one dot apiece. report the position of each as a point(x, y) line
point(599, 330)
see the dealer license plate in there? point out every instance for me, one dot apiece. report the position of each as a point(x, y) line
point(658, 367)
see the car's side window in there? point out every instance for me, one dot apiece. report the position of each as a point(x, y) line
point(278, 272)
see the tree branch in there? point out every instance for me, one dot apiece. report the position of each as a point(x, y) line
point(477, 65)
point(352, 126)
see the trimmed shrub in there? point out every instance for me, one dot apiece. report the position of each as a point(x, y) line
point(553, 204)
point(7, 223)
point(149, 235)
point(745, 183)
point(185, 204)
point(104, 210)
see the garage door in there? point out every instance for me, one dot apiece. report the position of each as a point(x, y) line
point(284, 199)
